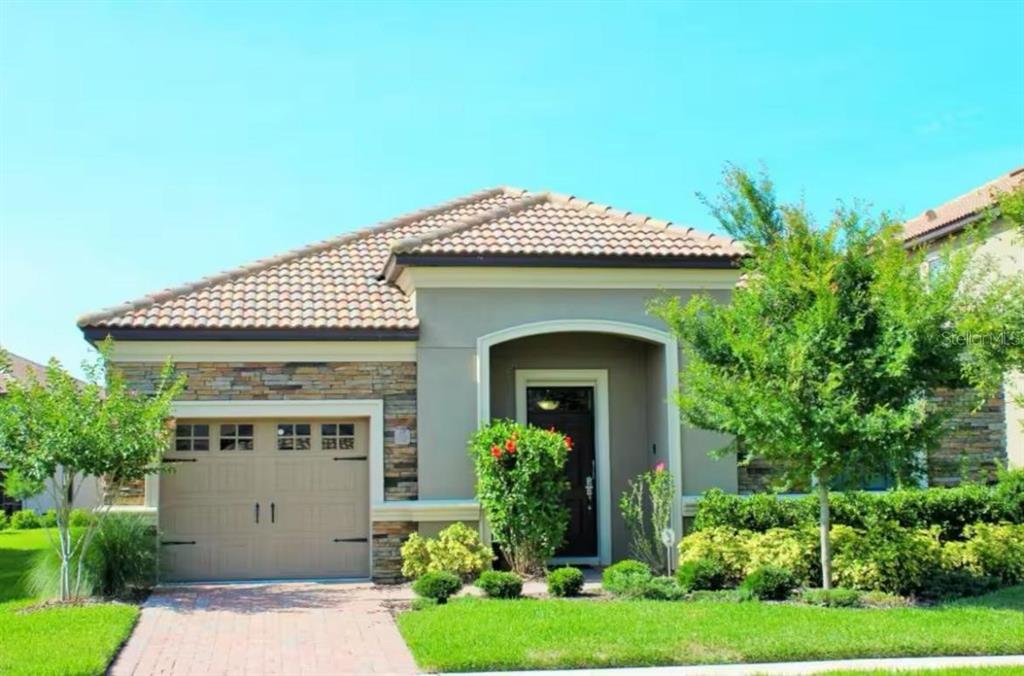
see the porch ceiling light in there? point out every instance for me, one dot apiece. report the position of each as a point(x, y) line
point(547, 404)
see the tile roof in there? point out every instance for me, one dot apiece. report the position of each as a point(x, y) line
point(337, 284)
point(22, 370)
point(962, 207)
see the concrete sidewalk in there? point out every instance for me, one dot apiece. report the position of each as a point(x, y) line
point(789, 668)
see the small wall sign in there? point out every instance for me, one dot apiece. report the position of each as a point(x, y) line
point(403, 437)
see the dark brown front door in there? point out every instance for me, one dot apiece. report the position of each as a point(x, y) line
point(570, 410)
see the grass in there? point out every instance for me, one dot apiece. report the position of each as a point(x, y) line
point(475, 634)
point(64, 641)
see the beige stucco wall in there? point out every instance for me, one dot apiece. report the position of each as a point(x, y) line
point(452, 319)
point(1003, 252)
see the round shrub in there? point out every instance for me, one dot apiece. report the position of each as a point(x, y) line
point(995, 551)
point(626, 578)
point(500, 585)
point(567, 581)
point(837, 597)
point(770, 583)
point(456, 549)
point(701, 575)
point(24, 520)
point(793, 549)
point(662, 589)
point(80, 518)
point(725, 545)
point(48, 519)
point(437, 585)
point(885, 557)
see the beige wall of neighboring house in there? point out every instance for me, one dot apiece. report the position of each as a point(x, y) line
point(1001, 252)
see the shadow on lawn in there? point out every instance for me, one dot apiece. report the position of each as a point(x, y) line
point(14, 564)
point(1011, 598)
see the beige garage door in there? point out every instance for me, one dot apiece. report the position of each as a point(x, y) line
point(258, 499)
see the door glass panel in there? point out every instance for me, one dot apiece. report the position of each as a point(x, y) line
point(192, 437)
point(236, 437)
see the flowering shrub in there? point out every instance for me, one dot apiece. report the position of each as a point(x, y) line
point(521, 485)
point(456, 549)
point(650, 492)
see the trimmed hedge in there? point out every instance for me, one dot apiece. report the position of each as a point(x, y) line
point(437, 585)
point(951, 509)
point(566, 581)
point(500, 585)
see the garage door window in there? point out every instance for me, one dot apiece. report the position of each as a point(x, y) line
point(192, 438)
point(294, 436)
point(340, 436)
point(236, 437)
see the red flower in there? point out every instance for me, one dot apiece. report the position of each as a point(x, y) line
point(495, 451)
point(510, 445)
point(660, 467)
point(568, 442)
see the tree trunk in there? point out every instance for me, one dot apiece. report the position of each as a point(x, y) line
point(825, 519)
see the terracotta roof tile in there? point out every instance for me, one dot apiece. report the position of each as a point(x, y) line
point(962, 207)
point(336, 284)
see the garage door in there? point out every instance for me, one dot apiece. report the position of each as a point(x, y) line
point(259, 499)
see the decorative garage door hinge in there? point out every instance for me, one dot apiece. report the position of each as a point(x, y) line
point(178, 542)
point(350, 539)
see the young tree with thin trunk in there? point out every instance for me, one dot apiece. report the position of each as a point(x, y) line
point(824, 359)
point(57, 433)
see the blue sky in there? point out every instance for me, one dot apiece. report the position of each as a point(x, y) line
point(143, 145)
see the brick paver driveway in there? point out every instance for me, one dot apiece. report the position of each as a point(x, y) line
point(275, 628)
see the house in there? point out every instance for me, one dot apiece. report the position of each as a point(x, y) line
point(994, 435)
point(88, 495)
point(332, 389)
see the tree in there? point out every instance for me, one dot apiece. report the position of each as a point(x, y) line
point(824, 359)
point(56, 433)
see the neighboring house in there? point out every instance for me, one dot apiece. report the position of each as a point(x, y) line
point(332, 389)
point(88, 496)
point(995, 434)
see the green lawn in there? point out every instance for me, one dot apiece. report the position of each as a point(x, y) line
point(477, 634)
point(57, 641)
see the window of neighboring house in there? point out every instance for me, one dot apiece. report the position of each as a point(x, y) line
point(192, 438)
point(340, 436)
point(935, 264)
point(294, 436)
point(236, 437)
point(8, 504)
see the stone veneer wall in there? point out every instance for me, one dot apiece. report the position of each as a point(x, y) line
point(975, 444)
point(393, 382)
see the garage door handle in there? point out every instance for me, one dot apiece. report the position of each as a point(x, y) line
point(179, 459)
point(257, 512)
point(360, 457)
point(273, 513)
point(178, 542)
point(350, 539)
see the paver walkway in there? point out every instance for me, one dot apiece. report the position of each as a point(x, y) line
point(299, 628)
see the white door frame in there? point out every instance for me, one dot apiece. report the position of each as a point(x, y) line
point(598, 379)
point(671, 377)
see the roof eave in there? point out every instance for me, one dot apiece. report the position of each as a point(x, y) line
point(942, 231)
point(95, 334)
point(719, 261)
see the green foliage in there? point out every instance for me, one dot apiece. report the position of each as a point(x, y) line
point(565, 581)
point(437, 585)
point(701, 575)
point(662, 588)
point(951, 509)
point(772, 583)
point(520, 485)
point(456, 549)
point(423, 603)
point(80, 518)
point(500, 584)
point(60, 431)
point(822, 362)
point(125, 556)
point(24, 520)
point(886, 557)
point(726, 546)
point(48, 519)
point(880, 599)
point(794, 550)
point(4, 521)
point(646, 507)
point(995, 551)
point(951, 584)
point(837, 597)
point(626, 578)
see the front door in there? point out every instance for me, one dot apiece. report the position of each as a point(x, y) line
point(570, 411)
